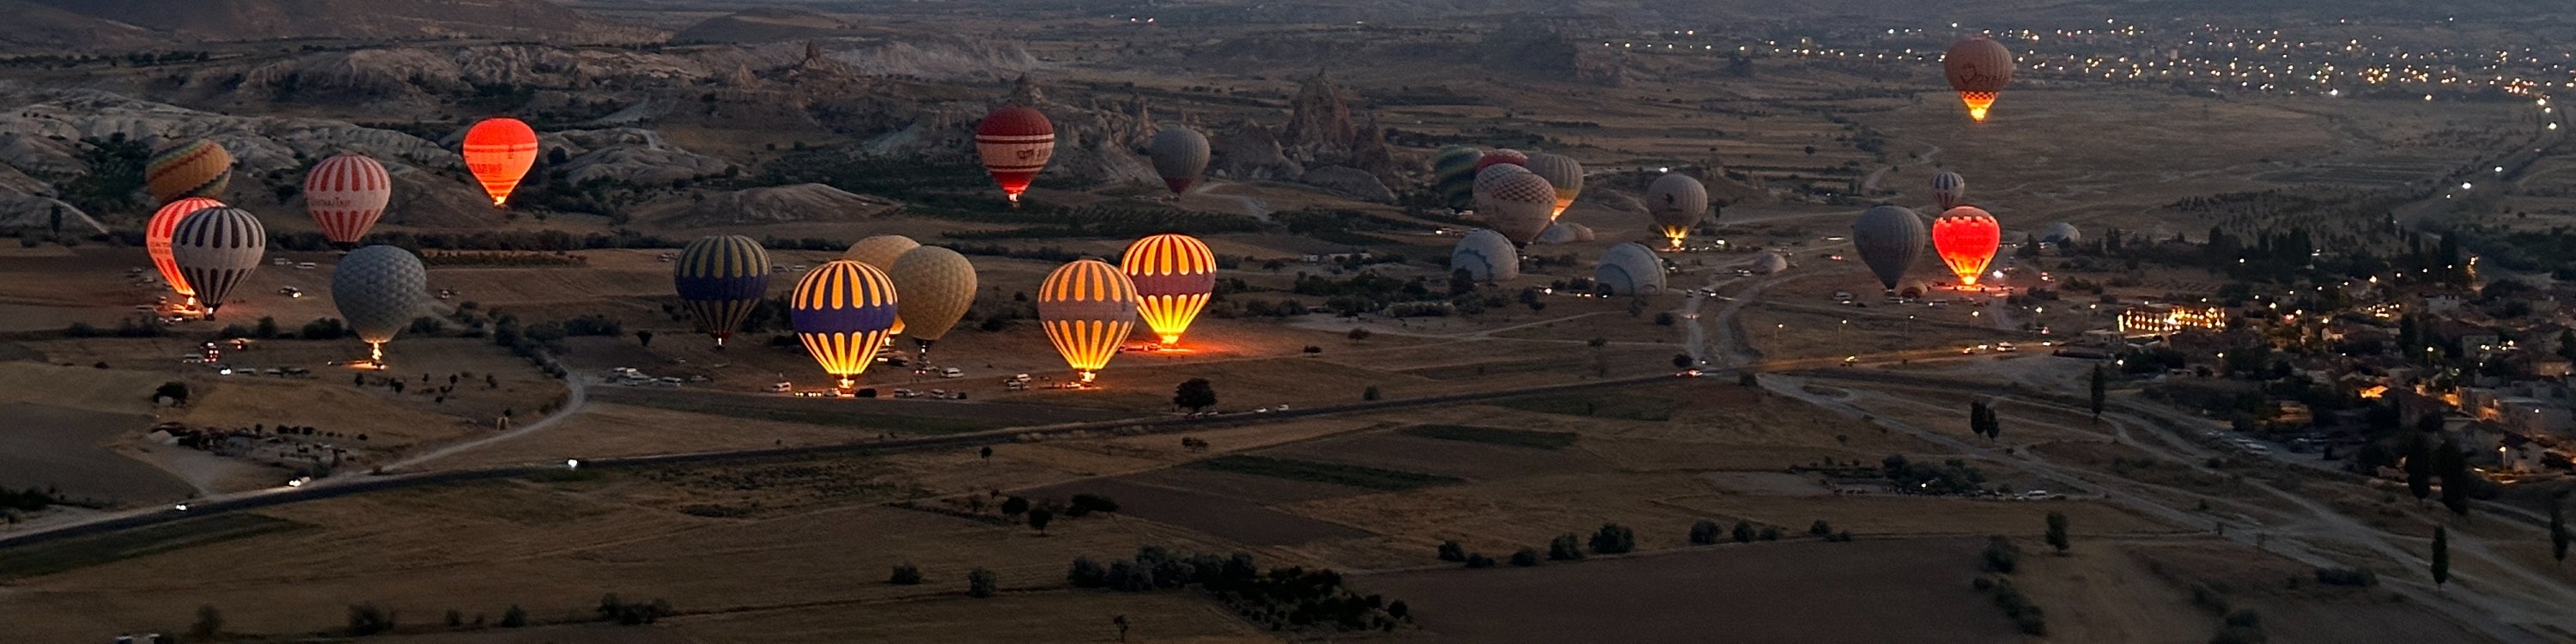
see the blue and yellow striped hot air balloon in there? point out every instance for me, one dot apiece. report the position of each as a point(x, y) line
point(720, 280)
point(843, 311)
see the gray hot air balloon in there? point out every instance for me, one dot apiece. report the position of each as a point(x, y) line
point(1518, 205)
point(215, 249)
point(1180, 154)
point(1890, 239)
point(1677, 203)
point(1769, 262)
point(1629, 269)
point(1565, 232)
point(1561, 172)
point(379, 290)
point(1486, 256)
point(2061, 233)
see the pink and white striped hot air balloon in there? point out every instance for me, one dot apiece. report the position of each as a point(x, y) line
point(346, 194)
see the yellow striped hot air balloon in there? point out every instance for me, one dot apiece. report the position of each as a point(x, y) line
point(842, 310)
point(1174, 275)
point(193, 168)
point(1087, 307)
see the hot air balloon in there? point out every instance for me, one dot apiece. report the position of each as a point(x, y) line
point(1087, 307)
point(156, 241)
point(1677, 203)
point(1486, 256)
point(1562, 172)
point(1453, 175)
point(1015, 143)
point(499, 152)
point(843, 310)
point(1978, 68)
point(379, 290)
point(1565, 232)
point(215, 249)
point(193, 168)
point(1769, 262)
point(1948, 188)
point(1493, 175)
point(1890, 239)
point(2061, 233)
point(1629, 269)
point(1174, 275)
point(345, 195)
point(1502, 156)
point(720, 280)
point(1180, 154)
point(880, 251)
point(938, 286)
point(1966, 238)
point(1516, 205)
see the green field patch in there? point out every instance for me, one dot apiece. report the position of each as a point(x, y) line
point(1622, 407)
point(1494, 435)
point(82, 552)
point(1332, 473)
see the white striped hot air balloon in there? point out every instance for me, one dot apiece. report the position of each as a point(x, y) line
point(216, 249)
point(346, 194)
point(1949, 190)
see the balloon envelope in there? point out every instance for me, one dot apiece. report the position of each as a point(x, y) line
point(1088, 307)
point(880, 251)
point(1502, 156)
point(215, 249)
point(2061, 233)
point(156, 240)
point(1978, 68)
point(1453, 176)
point(1518, 205)
point(1486, 256)
point(1179, 155)
point(1561, 172)
point(346, 194)
point(1677, 203)
point(843, 310)
point(499, 152)
point(192, 168)
point(1966, 238)
point(1890, 240)
point(1015, 144)
point(938, 286)
point(1174, 276)
point(1629, 269)
point(379, 291)
point(720, 280)
point(1948, 188)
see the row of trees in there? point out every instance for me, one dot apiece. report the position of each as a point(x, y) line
point(1283, 598)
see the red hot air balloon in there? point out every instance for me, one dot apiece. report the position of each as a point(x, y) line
point(1966, 238)
point(156, 241)
point(1501, 156)
point(346, 194)
point(1978, 68)
point(499, 152)
point(1015, 143)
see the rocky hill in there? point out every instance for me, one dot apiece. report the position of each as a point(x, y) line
point(36, 28)
point(238, 20)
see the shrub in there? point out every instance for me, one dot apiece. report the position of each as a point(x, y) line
point(515, 617)
point(981, 583)
point(2001, 555)
point(1086, 573)
point(367, 619)
point(1820, 528)
point(1613, 539)
point(2025, 615)
point(1525, 557)
point(2347, 577)
point(1093, 503)
point(1565, 547)
point(1770, 533)
point(905, 574)
point(1451, 551)
point(1703, 533)
point(1479, 560)
point(1744, 532)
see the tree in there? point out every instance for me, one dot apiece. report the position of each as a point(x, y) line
point(174, 390)
point(1525, 557)
point(1120, 622)
point(1565, 547)
point(905, 574)
point(1086, 573)
point(367, 619)
point(515, 617)
point(1358, 333)
point(267, 328)
point(1982, 421)
point(1451, 551)
point(1613, 539)
point(2441, 555)
point(1040, 517)
point(981, 583)
point(1682, 361)
point(2456, 478)
point(1014, 506)
point(1743, 532)
point(1703, 533)
point(644, 338)
point(2558, 537)
point(1370, 394)
point(209, 623)
point(2057, 531)
point(1088, 503)
point(2101, 390)
point(2419, 464)
point(1195, 394)
point(986, 452)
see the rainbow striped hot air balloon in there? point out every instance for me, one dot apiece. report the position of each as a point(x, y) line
point(720, 280)
point(346, 194)
point(156, 241)
point(843, 310)
point(499, 152)
point(1088, 307)
point(193, 168)
point(1174, 275)
point(216, 249)
point(1453, 174)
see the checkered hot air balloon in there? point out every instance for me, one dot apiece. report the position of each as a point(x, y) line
point(1174, 276)
point(1015, 143)
point(721, 280)
point(216, 249)
point(346, 194)
point(1518, 205)
point(1088, 307)
point(843, 310)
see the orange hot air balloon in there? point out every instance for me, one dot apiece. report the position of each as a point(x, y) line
point(1174, 275)
point(1966, 239)
point(1978, 67)
point(499, 151)
point(156, 241)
